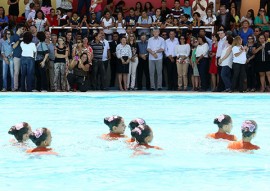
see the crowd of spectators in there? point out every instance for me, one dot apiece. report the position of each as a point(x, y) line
point(198, 46)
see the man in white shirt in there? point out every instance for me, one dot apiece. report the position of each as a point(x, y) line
point(106, 55)
point(200, 7)
point(170, 44)
point(155, 47)
point(221, 46)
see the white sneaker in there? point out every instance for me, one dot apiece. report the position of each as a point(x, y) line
point(43, 90)
point(3, 90)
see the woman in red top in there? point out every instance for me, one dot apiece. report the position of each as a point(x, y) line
point(213, 66)
point(117, 128)
point(42, 138)
point(224, 123)
point(249, 128)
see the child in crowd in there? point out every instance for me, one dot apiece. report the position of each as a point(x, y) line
point(135, 123)
point(224, 123)
point(21, 132)
point(42, 138)
point(117, 128)
point(143, 135)
point(249, 128)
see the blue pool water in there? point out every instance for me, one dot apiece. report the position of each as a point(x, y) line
point(180, 122)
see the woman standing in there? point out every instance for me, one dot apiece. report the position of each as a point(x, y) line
point(133, 62)
point(120, 24)
point(262, 58)
point(40, 62)
point(250, 70)
point(209, 20)
point(13, 9)
point(213, 65)
point(41, 21)
point(27, 61)
point(239, 61)
point(61, 57)
point(202, 61)
point(225, 61)
point(182, 52)
point(124, 54)
point(7, 54)
point(107, 22)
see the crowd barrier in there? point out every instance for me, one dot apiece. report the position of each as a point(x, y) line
point(115, 28)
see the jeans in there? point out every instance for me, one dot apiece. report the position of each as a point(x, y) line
point(27, 72)
point(226, 76)
point(17, 65)
point(5, 73)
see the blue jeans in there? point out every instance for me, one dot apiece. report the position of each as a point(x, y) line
point(5, 72)
point(226, 76)
point(27, 73)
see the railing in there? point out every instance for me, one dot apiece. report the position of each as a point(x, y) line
point(115, 28)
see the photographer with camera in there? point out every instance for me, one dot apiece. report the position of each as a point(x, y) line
point(80, 76)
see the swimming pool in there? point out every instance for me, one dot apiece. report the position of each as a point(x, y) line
point(179, 121)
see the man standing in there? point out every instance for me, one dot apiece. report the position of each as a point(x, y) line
point(98, 67)
point(143, 65)
point(221, 46)
point(155, 47)
point(113, 45)
point(224, 19)
point(200, 7)
point(106, 55)
point(170, 60)
point(17, 52)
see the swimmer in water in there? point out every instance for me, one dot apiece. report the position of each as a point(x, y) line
point(21, 132)
point(224, 123)
point(135, 123)
point(117, 128)
point(249, 129)
point(143, 135)
point(42, 138)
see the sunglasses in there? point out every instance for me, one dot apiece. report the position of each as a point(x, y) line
point(8, 33)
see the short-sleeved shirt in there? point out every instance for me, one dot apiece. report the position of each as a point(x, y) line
point(17, 52)
point(155, 44)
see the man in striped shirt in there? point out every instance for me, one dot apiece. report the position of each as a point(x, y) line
point(98, 66)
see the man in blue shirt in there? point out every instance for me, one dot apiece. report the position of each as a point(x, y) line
point(17, 52)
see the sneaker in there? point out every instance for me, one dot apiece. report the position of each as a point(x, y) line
point(3, 90)
point(34, 91)
point(43, 91)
